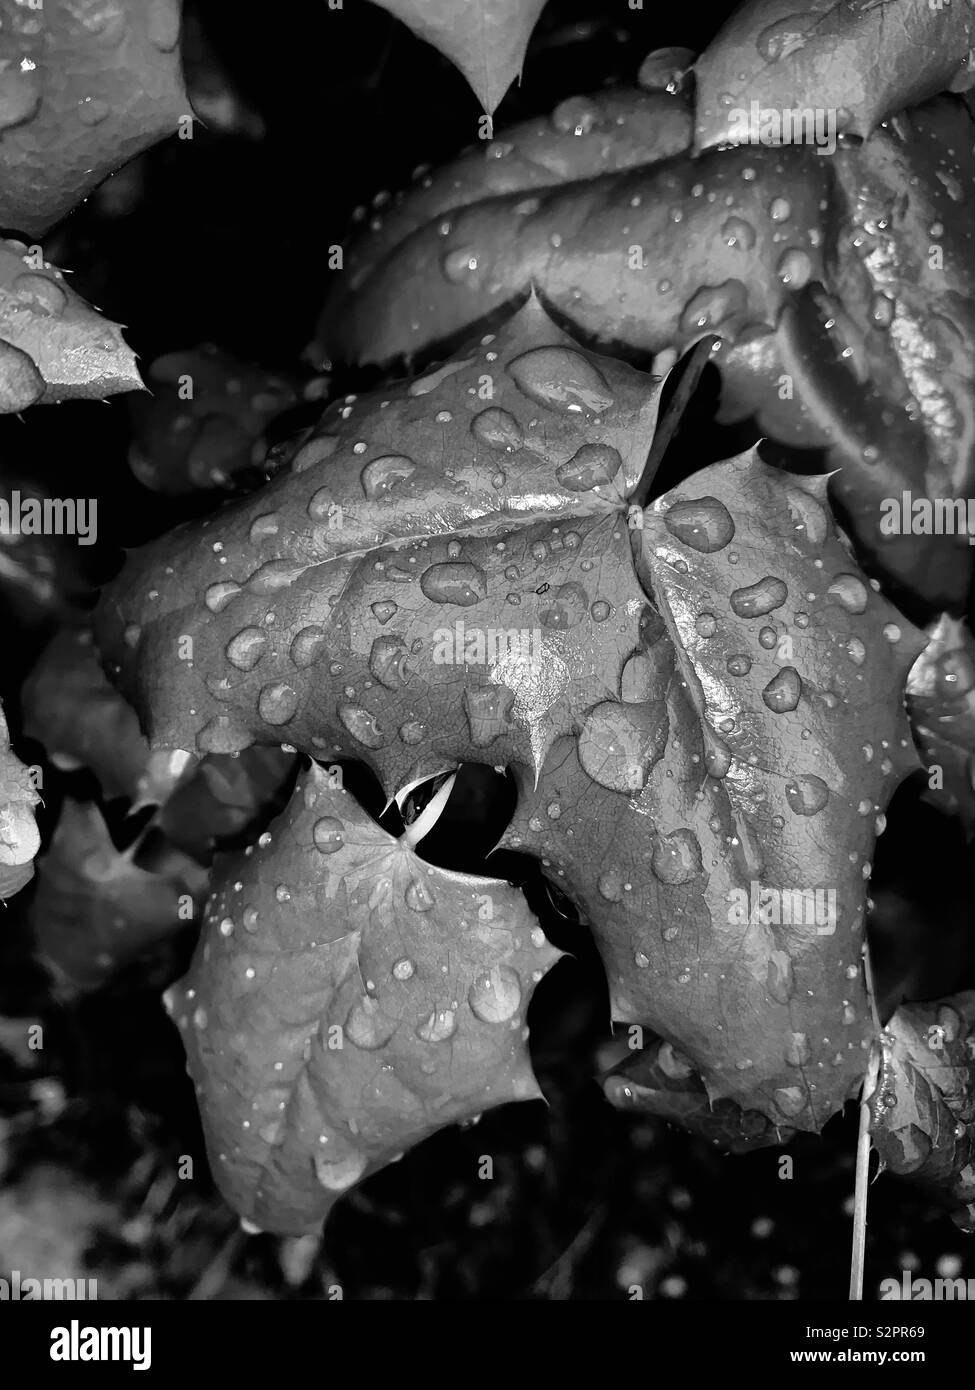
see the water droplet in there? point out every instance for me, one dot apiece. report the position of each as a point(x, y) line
point(308, 646)
point(418, 897)
point(798, 1052)
point(561, 379)
point(367, 1026)
point(498, 429)
point(892, 632)
point(712, 305)
point(389, 662)
point(488, 710)
point(219, 595)
point(677, 857)
point(600, 611)
point(855, 650)
point(384, 610)
point(780, 979)
point(381, 475)
point(277, 703)
point(413, 731)
point(340, 1175)
point(807, 795)
point(795, 268)
point(594, 465)
point(882, 310)
point(20, 97)
point(610, 886)
point(782, 693)
point(456, 582)
point(737, 232)
point(227, 927)
point(620, 743)
point(462, 264)
point(768, 638)
point(739, 665)
point(574, 116)
point(791, 1101)
point(705, 625)
point(760, 598)
point(704, 524)
point(438, 1027)
point(563, 607)
point(849, 592)
point(717, 755)
point(495, 995)
point(264, 527)
point(40, 293)
point(782, 38)
point(403, 969)
point(362, 725)
point(780, 210)
point(641, 960)
point(328, 835)
point(250, 919)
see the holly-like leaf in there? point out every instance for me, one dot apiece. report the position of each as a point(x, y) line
point(203, 425)
point(861, 62)
point(445, 570)
point(486, 39)
point(346, 1000)
point(19, 840)
point(923, 1109)
point(95, 910)
point(54, 346)
point(941, 701)
point(82, 721)
point(84, 86)
point(716, 821)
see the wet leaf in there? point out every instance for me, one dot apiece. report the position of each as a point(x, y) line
point(95, 910)
point(346, 1000)
point(923, 1110)
point(861, 62)
point(486, 39)
point(84, 88)
point(941, 701)
point(19, 840)
point(54, 346)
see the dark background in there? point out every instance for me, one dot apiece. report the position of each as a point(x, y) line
point(222, 238)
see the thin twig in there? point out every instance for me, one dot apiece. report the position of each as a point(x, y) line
point(861, 1185)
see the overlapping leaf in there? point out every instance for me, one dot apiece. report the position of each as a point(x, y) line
point(203, 425)
point(84, 86)
point(54, 346)
point(941, 700)
point(95, 909)
point(859, 62)
point(716, 821)
point(346, 1000)
point(486, 39)
point(444, 570)
point(923, 1109)
point(19, 840)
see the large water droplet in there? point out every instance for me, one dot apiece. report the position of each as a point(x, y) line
point(456, 581)
point(610, 885)
point(791, 1100)
point(704, 524)
point(328, 835)
point(677, 857)
point(438, 1027)
point(619, 744)
point(308, 646)
point(381, 475)
point(783, 38)
point(367, 1026)
point(498, 429)
point(488, 711)
point(807, 515)
point(362, 725)
point(574, 116)
point(797, 1052)
point(264, 527)
point(563, 607)
point(383, 610)
point(277, 703)
point(738, 233)
point(594, 465)
point(41, 294)
point(561, 379)
point(219, 595)
point(413, 731)
point(780, 979)
point(807, 795)
point(849, 592)
point(713, 305)
point(795, 268)
point(495, 995)
point(389, 662)
point(739, 664)
point(418, 896)
point(782, 693)
point(338, 1176)
point(759, 598)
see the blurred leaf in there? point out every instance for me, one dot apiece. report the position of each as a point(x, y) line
point(941, 704)
point(19, 840)
point(225, 794)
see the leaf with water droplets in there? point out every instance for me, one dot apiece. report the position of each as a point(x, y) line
point(923, 1109)
point(95, 909)
point(54, 346)
point(19, 839)
point(857, 63)
point(709, 821)
point(941, 703)
point(452, 572)
point(486, 39)
point(346, 1000)
point(84, 87)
